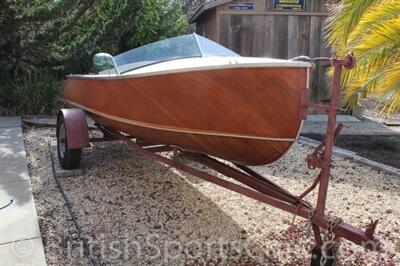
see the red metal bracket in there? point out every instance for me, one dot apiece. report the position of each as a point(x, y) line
point(371, 228)
point(322, 155)
point(315, 159)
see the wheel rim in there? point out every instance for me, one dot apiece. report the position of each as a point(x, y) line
point(62, 144)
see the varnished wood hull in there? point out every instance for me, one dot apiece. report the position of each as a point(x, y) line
point(245, 115)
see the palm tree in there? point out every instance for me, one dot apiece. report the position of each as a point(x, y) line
point(370, 29)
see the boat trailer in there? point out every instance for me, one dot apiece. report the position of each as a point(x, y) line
point(254, 185)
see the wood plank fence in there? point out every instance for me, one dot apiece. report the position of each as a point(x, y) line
point(264, 32)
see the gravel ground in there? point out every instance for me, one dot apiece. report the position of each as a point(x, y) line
point(139, 212)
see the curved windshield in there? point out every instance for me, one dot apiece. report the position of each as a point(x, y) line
point(184, 46)
point(210, 48)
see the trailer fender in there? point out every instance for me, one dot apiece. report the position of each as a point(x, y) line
point(76, 128)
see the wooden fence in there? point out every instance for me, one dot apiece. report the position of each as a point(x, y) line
point(265, 32)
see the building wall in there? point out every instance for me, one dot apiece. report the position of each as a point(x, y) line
point(206, 25)
point(264, 32)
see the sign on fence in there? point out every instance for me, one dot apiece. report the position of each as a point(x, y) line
point(241, 6)
point(289, 5)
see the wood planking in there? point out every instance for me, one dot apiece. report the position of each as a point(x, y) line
point(241, 151)
point(200, 25)
point(284, 36)
point(269, 5)
point(245, 88)
point(269, 35)
point(280, 28)
point(315, 50)
point(293, 36)
point(211, 26)
point(299, 31)
point(247, 35)
point(315, 37)
point(223, 35)
point(160, 108)
point(323, 81)
point(259, 36)
point(235, 30)
point(303, 35)
point(315, 40)
point(207, 25)
point(314, 5)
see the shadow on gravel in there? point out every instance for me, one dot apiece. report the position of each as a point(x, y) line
point(139, 211)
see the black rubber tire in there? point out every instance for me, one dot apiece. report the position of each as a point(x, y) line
point(69, 158)
point(316, 256)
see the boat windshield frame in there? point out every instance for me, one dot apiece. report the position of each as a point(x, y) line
point(198, 44)
point(214, 48)
point(158, 62)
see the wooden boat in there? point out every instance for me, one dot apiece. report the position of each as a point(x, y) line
point(192, 93)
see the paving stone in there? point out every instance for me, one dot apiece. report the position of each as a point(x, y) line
point(20, 237)
point(10, 121)
point(347, 118)
point(19, 220)
point(314, 118)
point(13, 166)
point(25, 252)
point(365, 127)
point(339, 118)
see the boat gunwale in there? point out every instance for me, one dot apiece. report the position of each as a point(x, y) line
point(191, 69)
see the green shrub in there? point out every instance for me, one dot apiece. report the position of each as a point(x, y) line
point(34, 93)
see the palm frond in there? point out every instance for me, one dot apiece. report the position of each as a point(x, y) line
point(370, 29)
point(382, 35)
point(343, 19)
point(377, 14)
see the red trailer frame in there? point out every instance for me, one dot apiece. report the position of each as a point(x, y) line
point(264, 190)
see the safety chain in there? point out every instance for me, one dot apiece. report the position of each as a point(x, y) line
point(333, 223)
point(331, 242)
point(309, 223)
point(291, 227)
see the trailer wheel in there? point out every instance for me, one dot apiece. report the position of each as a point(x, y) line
point(69, 158)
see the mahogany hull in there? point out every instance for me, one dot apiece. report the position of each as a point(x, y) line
point(244, 115)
